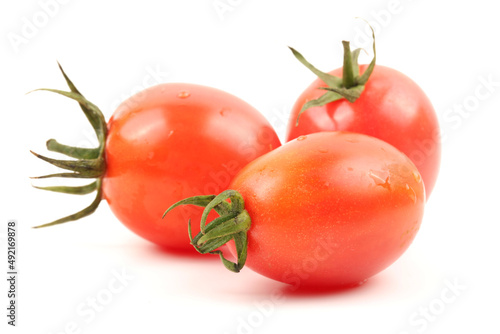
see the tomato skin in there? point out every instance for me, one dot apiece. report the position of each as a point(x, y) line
point(392, 108)
point(329, 209)
point(173, 141)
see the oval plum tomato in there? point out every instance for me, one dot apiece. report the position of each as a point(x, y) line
point(164, 144)
point(182, 140)
point(386, 104)
point(326, 210)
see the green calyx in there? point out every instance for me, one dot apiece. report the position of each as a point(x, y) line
point(87, 163)
point(233, 223)
point(350, 86)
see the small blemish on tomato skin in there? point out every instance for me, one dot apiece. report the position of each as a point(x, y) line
point(183, 94)
point(352, 140)
point(301, 138)
point(223, 112)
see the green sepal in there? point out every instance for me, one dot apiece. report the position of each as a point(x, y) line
point(326, 98)
point(234, 267)
point(80, 214)
point(326, 77)
point(350, 94)
point(94, 115)
point(63, 175)
point(217, 228)
point(212, 244)
point(88, 167)
point(241, 243)
point(233, 223)
point(90, 162)
point(350, 86)
point(81, 190)
point(202, 201)
point(219, 200)
point(369, 70)
point(233, 226)
point(355, 66)
point(72, 151)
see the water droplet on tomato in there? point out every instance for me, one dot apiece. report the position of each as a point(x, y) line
point(183, 94)
point(411, 193)
point(417, 177)
point(301, 138)
point(381, 179)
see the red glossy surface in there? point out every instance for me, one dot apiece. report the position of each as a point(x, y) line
point(330, 209)
point(174, 141)
point(392, 108)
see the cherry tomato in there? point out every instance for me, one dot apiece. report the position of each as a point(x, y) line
point(373, 100)
point(326, 210)
point(180, 140)
point(161, 145)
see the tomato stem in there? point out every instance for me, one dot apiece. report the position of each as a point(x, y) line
point(233, 223)
point(348, 79)
point(350, 86)
point(89, 163)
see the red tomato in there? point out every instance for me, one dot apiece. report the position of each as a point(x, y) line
point(161, 145)
point(181, 140)
point(327, 210)
point(391, 107)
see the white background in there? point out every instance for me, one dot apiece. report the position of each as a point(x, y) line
point(110, 49)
